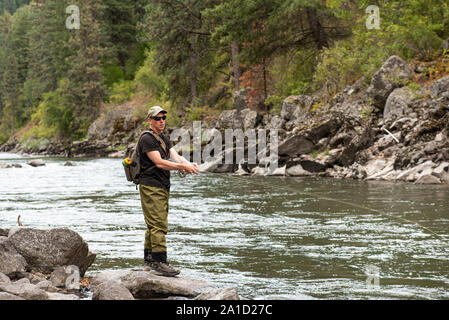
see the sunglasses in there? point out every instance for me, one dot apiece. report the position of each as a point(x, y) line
point(159, 118)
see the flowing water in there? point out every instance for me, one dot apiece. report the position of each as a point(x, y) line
point(271, 237)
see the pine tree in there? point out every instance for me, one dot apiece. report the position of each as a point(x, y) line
point(84, 88)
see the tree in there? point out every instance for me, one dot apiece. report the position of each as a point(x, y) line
point(84, 88)
point(11, 87)
point(177, 29)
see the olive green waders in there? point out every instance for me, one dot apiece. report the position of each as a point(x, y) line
point(155, 210)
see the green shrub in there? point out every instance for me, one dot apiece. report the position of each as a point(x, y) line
point(121, 92)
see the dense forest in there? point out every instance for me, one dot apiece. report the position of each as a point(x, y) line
point(62, 63)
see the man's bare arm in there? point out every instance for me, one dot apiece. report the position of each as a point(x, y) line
point(155, 156)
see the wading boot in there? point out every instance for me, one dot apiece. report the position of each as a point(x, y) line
point(164, 269)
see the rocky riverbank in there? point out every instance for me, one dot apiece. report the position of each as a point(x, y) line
point(389, 128)
point(51, 265)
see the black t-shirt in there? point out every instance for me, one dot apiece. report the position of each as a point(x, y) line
point(156, 177)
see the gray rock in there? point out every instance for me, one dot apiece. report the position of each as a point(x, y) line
point(36, 163)
point(360, 142)
point(61, 296)
point(44, 250)
point(228, 119)
point(428, 179)
point(9, 296)
point(4, 232)
point(12, 263)
point(438, 87)
point(59, 276)
point(4, 278)
point(296, 108)
point(25, 290)
point(398, 104)
point(111, 290)
point(144, 285)
point(68, 164)
point(47, 286)
point(393, 74)
point(219, 294)
point(297, 171)
point(276, 123)
point(296, 145)
point(249, 118)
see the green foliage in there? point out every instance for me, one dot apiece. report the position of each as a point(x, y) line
point(122, 91)
point(151, 80)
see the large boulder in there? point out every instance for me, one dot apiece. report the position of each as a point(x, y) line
point(394, 73)
point(398, 104)
point(44, 250)
point(12, 263)
point(143, 285)
point(438, 87)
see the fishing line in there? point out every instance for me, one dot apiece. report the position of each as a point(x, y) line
point(330, 199)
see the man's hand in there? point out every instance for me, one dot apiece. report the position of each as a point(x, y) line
point(190, 167)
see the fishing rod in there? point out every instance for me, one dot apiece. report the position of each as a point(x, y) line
point(328, 199)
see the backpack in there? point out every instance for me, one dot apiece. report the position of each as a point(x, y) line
point(132, 163)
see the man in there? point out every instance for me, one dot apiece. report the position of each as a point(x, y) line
point(155, 149)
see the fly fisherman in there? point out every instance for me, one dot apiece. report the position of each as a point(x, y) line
point(155, 149)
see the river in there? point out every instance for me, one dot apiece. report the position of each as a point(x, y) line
point(271, 237)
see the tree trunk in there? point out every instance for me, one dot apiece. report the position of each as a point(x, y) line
point(315, 27)
point(235, 64)
point(193, 69)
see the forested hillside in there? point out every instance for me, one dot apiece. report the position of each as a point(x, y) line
point(191, 56)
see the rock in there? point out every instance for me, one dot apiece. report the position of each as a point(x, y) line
point(47, 286)
point(25, 290)
point(439, 86)
point(111, 290)
point(219, 294)
point(61, 296)
point(44, 250)
point(297, 171)
point(4, 278)
point(343, 138)
point(68, 164)
point(360, 142)
point(428, 179)
point(59, 276)
point(144, 285)
point(4, 232)
point(393, 74)
point(296, 145)
point(276, 123)
point(12, 264)
point(249, 118)
point(228, 119)
point(296, 108)
point(398, 104)
point(9, 296)
point(36, 163)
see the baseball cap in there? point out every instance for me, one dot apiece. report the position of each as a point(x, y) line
point(154, 111)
